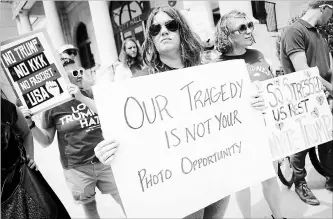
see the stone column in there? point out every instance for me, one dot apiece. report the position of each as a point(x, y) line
point(18, 25)
point(105, 39)
point(25, 25)
point(53, 23)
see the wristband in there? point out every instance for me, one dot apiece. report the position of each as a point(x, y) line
point(33, 124)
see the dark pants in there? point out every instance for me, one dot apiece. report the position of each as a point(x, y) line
point(325, 152)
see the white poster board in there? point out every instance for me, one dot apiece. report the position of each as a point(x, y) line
point(298, 116)
point(34, 71)
point(200, 142)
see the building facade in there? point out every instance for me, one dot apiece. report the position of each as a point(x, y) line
point(98, 28)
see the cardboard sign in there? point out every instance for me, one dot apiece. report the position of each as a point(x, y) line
point(187, 138)
point(34, 71)
point(298, 116)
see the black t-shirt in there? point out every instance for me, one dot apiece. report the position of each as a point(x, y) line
point(10, 151)
point(257, 66)
point(303, 37)
point(79, 131)
point(161, 67)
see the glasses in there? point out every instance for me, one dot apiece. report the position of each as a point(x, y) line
point(71, 52)
point(243, 28)
point(76, 73)
point(171, 25)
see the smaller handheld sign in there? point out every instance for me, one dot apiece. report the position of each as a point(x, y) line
point(34, 71)
point(298, 116)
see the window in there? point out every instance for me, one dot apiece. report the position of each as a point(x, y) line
point(83, 44)
point(264, 11)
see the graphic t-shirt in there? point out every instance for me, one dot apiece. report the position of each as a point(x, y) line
point(79, 131)
point(257, 66)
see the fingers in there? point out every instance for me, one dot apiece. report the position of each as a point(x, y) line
point(106, 150)
point(108, 156)
point(26, 112)
point(73, 89)
point(258, 102)
point(31, 163)
point(106, 142)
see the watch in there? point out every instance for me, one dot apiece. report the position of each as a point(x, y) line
point(33, 124)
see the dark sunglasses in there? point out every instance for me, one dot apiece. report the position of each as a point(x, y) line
point(76, 73)
point(243, 28)
point(71, 52)
point(171, 25)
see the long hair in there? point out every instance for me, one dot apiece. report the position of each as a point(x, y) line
point(127, 59)
point(223, 41)
point(190, 46)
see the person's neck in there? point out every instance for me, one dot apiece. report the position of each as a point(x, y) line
point(237, 51)
point(311, 16)
point(173, 61)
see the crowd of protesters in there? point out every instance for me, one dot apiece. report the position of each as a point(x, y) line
point(170, 44)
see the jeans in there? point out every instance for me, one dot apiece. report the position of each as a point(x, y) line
point(325, 152)
point(215, 210)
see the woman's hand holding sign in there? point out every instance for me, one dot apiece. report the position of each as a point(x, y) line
point(75, 90)
point(258, 102)
point(105, 151)
point(27, 114)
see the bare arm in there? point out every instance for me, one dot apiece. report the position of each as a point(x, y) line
point(28, 142)
point(88, 101)
point(299, 62)
point(74, 90)
point(43, 136)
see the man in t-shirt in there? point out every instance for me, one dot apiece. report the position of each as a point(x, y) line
point(302, 47)
point(79, 132)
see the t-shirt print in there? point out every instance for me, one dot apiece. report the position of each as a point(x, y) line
point(259, 69)
point(87, 119)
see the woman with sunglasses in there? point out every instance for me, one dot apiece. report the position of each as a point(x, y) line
point(79, 132)
point(131, 60)
point(170, 45)
point(233, 37)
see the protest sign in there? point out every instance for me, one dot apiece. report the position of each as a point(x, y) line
point(298, 116)
point(187, 138)
point(34, 71)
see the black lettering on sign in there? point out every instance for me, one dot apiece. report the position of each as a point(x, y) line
point(42, 94)
point(136, 120)
point(147, 181)
point(39, 78)
point(21, 52)
point(28, 66)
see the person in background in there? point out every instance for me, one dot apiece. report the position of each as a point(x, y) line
point(302, 47)
point(233, 37)
point(169, 45)
point(131, 60)
point(79, 131)
point(67, 52)
point(17, 147)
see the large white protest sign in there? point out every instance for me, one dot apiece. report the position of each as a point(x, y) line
point(187, 138)
point(298, 116)
point(34, 71)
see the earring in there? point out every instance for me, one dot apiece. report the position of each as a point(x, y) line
point(182, 49)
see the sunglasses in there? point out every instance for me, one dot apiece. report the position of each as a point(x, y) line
point(171, 25)
point(71, 52)
point(76, 73)
point(243, 28)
